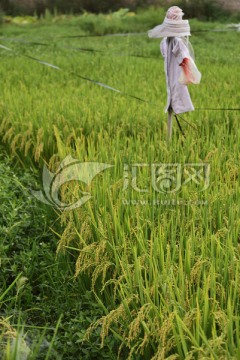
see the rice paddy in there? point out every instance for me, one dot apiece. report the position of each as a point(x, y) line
point(162, 264)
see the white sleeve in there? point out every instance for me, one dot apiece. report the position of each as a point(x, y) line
point(180, 50)
point(163, 47)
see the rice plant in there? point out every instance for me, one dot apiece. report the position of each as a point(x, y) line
point(163, 266)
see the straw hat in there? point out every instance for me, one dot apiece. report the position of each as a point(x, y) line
point(173, 25)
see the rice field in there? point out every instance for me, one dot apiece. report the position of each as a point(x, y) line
point(162, 264)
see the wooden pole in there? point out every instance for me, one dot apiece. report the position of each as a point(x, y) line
point(169, 125)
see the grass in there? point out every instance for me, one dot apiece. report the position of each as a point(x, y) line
point(160, 282)
point(39, 295)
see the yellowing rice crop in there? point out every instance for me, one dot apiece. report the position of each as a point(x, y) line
point(163, 266)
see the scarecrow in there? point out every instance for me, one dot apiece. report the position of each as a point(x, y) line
point(179, 65)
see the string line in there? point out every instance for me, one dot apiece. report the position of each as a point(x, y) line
point(116, 90)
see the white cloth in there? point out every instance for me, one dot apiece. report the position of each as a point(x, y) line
point(173, 25)
point(170, 28)
point(174, 50)
point(174, 13)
